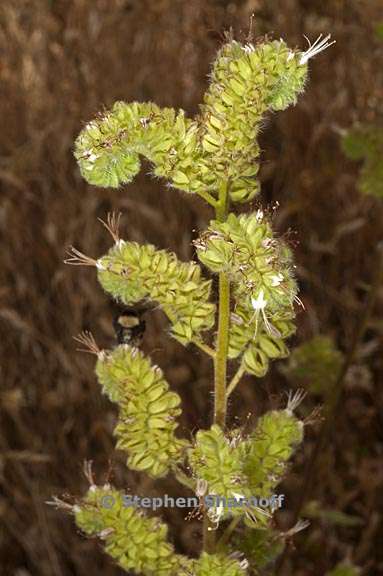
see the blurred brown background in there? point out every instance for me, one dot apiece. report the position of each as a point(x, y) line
point(61, 61)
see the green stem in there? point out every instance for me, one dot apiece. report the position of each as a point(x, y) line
point(228, 532)
point(235, 380)
point(220, 360)
point(205, 347)
point(208, 197)
point(220, 364)
point(183, 479)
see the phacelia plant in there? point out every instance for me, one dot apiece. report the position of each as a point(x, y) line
point(215, 156)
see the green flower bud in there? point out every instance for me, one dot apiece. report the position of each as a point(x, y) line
point(218, 564)
point(215, 460)
point(266, 452)
point(260, 547)
point(260, 269)
point(147, 409)
point(247, 81)
point(135, 542)
point(219, 145)
point(130, 273)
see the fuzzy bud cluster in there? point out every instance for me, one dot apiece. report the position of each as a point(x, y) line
point(214, 564)
point(216, 461)
point(134, 541)
point(246, 82)
point(131, 272)
point(264, 289)
point(269, 447)
point(250, 467)
point(147, 410)
point(218, 145)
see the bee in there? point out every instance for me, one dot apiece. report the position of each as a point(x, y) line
point(129, 324)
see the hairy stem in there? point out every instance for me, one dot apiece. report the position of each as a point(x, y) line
point(220, 360)
point(221, 354)
point(220, 364)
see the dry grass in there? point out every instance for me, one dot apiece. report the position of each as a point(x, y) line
point(61, 63)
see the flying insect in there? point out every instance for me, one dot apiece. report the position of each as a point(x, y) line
point(129, 324)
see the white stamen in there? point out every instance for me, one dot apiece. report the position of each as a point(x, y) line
point(319, 45)
point(120, 243)
point(100, 265)
point(249, 47)
point(294, 399)
point(290, 56)
point(298, 527)
point(299, 301)
point(201, 487)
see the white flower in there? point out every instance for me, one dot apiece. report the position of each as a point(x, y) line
point(215, 514)
point(319, 45)
point(120, 243)
point(92, 157)
point(238, 496)
point(92, 124)
point(248, 47)
point(100, 265)
point(277, 279)
point(259, 303)
point(259, 215)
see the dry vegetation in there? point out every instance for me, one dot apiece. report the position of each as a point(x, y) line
point(61, 62)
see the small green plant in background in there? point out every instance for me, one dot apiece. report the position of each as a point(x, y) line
point(315, 365)
point(344, 569)
point(216, 156)
point(365, 142)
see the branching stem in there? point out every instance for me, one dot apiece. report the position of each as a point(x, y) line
point(228, 532)
point(205, 347)
point(235, 380)
point(208, 197)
